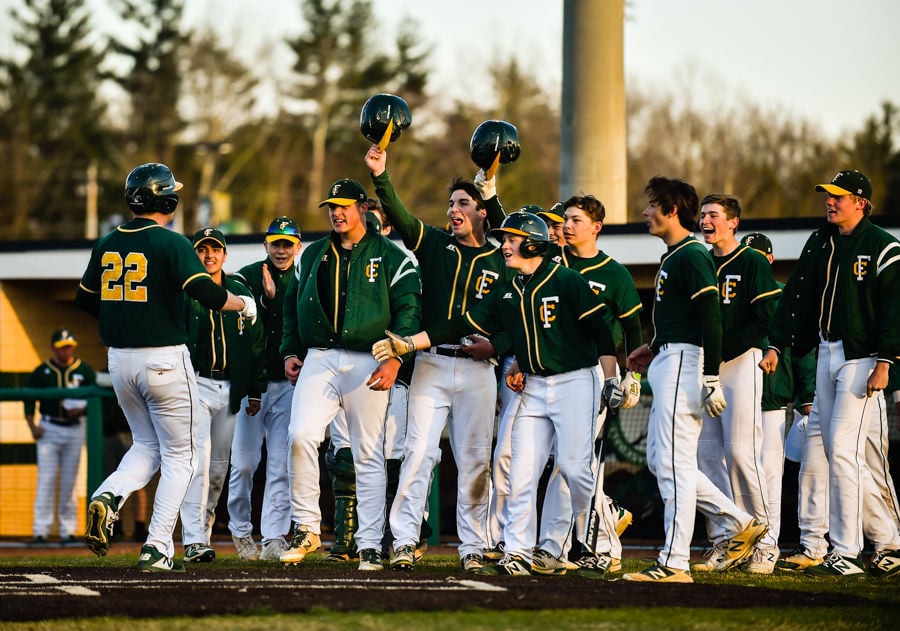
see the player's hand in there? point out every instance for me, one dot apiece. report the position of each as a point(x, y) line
point(383, 377)
point(639, 359)
point(392, 346)
point(878, 380)
point(479, 347)
point(713, 397)
point(806, 409)
point(515, 378)
point(253, 406)
point(37, 431)
point(376, 160)
point(612, 393)
point(249, 310)
point(631, 389)
point(487, 188)
point(769, 361)
point(292, 366)
point(268, 282)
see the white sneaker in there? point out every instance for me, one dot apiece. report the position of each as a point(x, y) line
point(246, 548)
point(714, 557)
point(271, 550)
point(545, 563)
point(763, 560)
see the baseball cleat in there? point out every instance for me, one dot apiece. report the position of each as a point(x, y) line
point(370, 560)
point(885, 563)
point(199, 553)
point(421, 549)
point(403, 559)
point(763, 560)
point(341, 557)
point(545, 563)
point(495, 553)
point(102, 514)
point(471, 563)
point(246, 548)
point(303, 542)
point(837, 565)
point(509, 565)
point(594, 565)
point(271, 550)
point(741, 546)
point(657, 573)
point(714, 557)
point(797, 561)
point(152, 560)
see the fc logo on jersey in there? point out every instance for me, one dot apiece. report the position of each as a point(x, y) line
point(597, 287)
point(548, 310)
point(660, 281)
point(728, 288)
point(483, 285)
point(372, 269)
point(861, 267)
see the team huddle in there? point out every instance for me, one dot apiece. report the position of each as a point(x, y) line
point(382, 349)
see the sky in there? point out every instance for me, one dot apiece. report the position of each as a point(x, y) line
point(830, 62)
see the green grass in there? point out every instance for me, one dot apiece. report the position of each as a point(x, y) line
point(881, 608)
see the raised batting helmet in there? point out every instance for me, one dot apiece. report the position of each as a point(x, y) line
point(529, 225)
point(379, 111)
point(150, 188)
point(492, 137)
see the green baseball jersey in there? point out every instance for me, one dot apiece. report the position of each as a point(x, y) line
point(454, 277)
point(554, 321)
point(52, 375)
point(747, 294)
point(379, 289)
point(610, 280)
point(224, 341)
point(269, 312)
point(686, 277)
point(135, 282)
point(843, 287)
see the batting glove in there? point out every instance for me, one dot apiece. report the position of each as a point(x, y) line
point(392, 346)
point(249, 310)
point(612, 393)
point(631, 389)
point(487, 188)
point(713, 398)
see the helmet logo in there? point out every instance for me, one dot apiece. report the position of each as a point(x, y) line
point(207, 232)
point(282, 225)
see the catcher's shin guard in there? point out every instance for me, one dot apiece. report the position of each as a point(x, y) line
point(343, 484)
point(393, 481)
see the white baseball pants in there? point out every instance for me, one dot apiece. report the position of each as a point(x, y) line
point(58, 457)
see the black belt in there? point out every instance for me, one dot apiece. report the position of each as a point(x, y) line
point(542, 373)
point(450, 351)
point(829, 337)
point(221, 375)
point(62, 422)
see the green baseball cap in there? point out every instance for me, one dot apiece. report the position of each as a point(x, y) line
point(283, 228)
point(345, 192)
point(63, 337)
point(848, 183)
point(209, 234)
point(758, 241)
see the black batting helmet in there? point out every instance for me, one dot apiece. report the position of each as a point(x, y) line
point(492, 137)
point(150, 188)
point(529, 225)
point(379, 111)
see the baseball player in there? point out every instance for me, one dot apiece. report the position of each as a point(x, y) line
point(135, 283)
point(267, 280)
point(555, 325)
point(59, 436)
point(794, 380)
point(350, 286)
point(842, 296)
point(686, 338)
point(454, 383)
point(728, 451)
point(226, 353)
point(582, 223)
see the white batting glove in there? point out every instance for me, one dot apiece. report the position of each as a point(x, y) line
point(249, 310)
point(487, 188)
point(631, 389)
point(392, 346)
point(713, 397)
point(612, 393)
